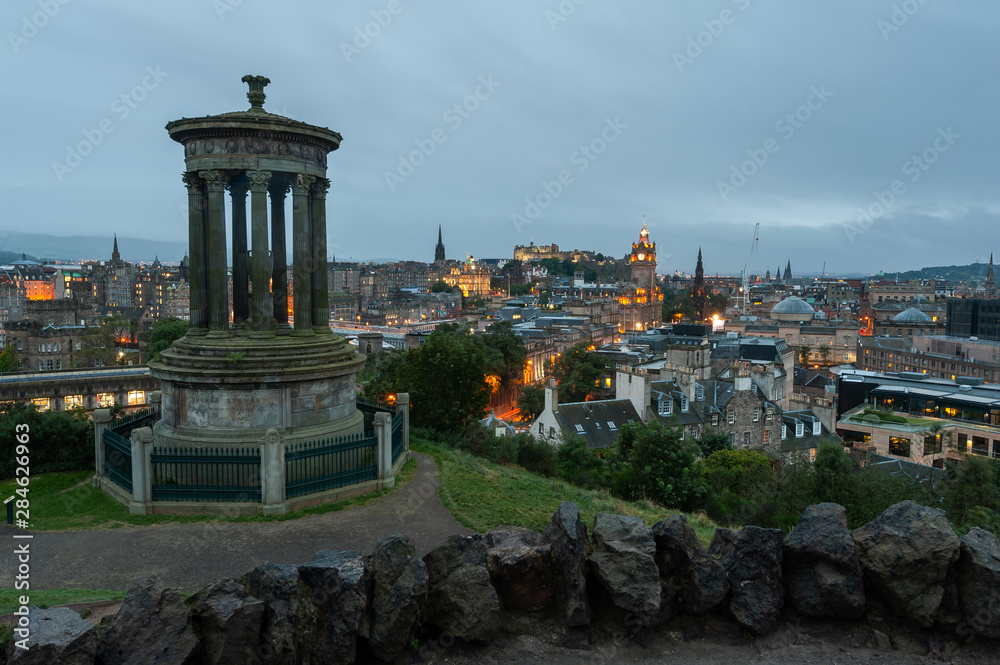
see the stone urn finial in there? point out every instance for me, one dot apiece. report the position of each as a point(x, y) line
point(256, 94)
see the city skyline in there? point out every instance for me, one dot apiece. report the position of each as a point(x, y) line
point(706, 119)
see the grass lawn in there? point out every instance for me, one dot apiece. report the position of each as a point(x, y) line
point(483, 495)
point(9, 598)
point(68, 501)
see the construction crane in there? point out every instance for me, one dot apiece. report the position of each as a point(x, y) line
point(746, 270)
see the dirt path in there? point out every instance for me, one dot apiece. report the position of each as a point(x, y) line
point(189, 556)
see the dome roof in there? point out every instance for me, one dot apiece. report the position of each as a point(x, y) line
point(793, 305)
point(911, 315)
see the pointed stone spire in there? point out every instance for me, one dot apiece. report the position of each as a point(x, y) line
point(788, 271)
point(439, 248)
point(989, 276)
point(115, 256)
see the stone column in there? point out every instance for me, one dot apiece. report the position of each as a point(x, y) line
point(320, 278)
point(403, 405)
point(197, 277)
point(279, 253)
point(218, 283)
point(272, 473)
point(383, 448)
point(241, 281)
point(301, 254)
point(155, 402)
point(260, 268)
point(142, 477)
point(102, 417)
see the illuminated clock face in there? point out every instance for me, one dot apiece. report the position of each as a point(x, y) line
point(642, 257)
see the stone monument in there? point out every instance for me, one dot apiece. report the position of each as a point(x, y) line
point(245, 366)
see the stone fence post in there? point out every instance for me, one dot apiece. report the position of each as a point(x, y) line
point(142, 471)
point(403, 405)
point(272, 473)
point(101, 419)
point(155, 402)
point(383, 448)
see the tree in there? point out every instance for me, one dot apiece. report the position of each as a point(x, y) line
point(9, 361)
point(441, 287)
point(663, 467)
point(445, 378)
point(833, 473)
point(717, 303)
point(679, 302)
point(824, 353)
point(505, 353)
point(714, 440)
point(970, 485)
point(517, 290)
point(531, 401)
point(578, 372)
point(163, 335)
point(804, 352)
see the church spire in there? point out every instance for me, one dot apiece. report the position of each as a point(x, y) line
point(115, 256)
point(439, 248)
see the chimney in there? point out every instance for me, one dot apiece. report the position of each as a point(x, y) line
point(551, 396)
point(743, 378)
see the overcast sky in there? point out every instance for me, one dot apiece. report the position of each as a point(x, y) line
point(705, 116)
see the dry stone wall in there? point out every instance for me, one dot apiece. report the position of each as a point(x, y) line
point(345, 606)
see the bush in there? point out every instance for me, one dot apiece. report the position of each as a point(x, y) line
point(536, 457)
point(57, 440)
point(663, 467)
point(582, 466)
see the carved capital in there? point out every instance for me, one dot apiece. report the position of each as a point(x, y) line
point(215, 181)
point(194, 184)
point(320, 188)
point(302, 183)
point(258, 180)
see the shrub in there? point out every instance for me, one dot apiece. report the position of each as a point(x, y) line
point(537, 457)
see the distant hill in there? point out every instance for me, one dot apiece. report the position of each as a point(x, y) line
point(83, 248)
point(6, 258)
point(974, 272)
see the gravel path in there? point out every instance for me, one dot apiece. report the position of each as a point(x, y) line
point(189, 556)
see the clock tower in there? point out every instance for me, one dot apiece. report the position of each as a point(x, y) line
point(642, 305)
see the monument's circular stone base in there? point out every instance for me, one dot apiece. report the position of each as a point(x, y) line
point(229, 389)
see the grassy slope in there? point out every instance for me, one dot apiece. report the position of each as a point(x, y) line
point(483, 495)
point(68, 501)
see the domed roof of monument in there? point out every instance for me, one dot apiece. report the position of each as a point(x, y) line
point(911, 315)
point(793, 305)
point(254, 118)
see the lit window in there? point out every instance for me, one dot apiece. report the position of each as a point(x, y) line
point(136, 397)
point(105, 400)
point(612, 426)
point(812, 454)
point(74, 402)
point(767, 436)
point(42, 403)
